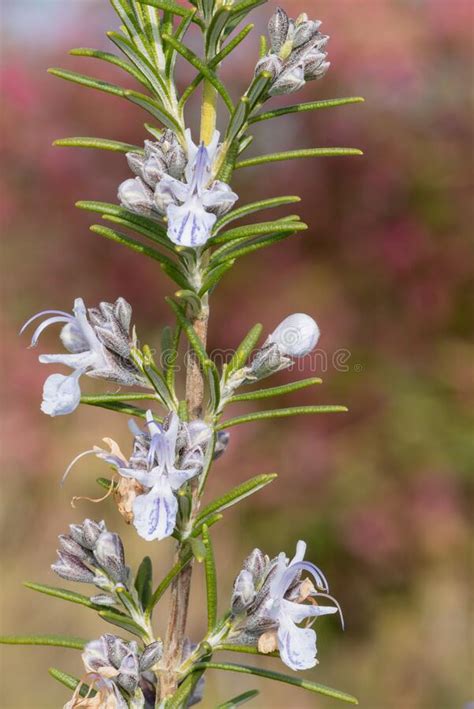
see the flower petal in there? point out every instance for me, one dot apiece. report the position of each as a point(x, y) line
point(300, 611)
point(219, 197)
point(154, 514)
point(172, 189)
point(61, 394)
point(190, 224)
point(297, 646)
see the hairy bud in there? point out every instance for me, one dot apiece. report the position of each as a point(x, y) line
point(71, 568)
point(135, 196)
point(244, 592)
point(151, 655)
point(278, 29)
point(110, 556)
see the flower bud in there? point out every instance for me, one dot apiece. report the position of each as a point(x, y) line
point(110, 556)
point(135, 163)
point(72, 569)
point(305, 31)
point(244, 592)
point(278, 29)
point(268, 360)
point(222, 441)
point(67, 544)
point(296, 336)
point(116, 649)
point(315, 67)
point(129, 673)
point(91, 532)
point(256, 564)
point(173, 154)
point(135, 196)
point(289, 81)
point(270, 63)
point(151, 655)
point(199, 433)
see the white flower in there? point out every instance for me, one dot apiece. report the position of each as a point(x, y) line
point(98, 350)
point(154, 512)
point(296, 336)
point(297, 646)
point(192, 206)
point(61, 394)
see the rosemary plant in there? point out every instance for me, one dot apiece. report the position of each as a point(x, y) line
point(181, 210)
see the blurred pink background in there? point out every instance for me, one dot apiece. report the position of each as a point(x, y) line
point(382, 494)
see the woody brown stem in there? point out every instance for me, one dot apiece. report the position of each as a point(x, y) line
point(180, 589)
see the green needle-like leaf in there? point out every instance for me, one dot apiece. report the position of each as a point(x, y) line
point(154, 109)
point(241, 699)
point(144, 582)
point(117, 406)
point(180, 697)
point(251, 230)
point(117, 398)
point(276, 677)
point(254, 207)
point(236, 495)
point(169, 6)
point(211, 580)
point(295, 154)
point(243, 247)
point(245, 649)
point(275, 391)
point(203, 68)
point(214, 275)
point(142, 64)
point(215, 61)
point(168, 266)
point(302, 107)
point(157, 234)
point(210, 522)
point(246, 6)
point(88, 81)
point(63, 594)
point(245, 349)
point(111, 59)
point(142, 225)
point(114, 146)
point(51, 640)
point(122, 621)
point(71, 682)
point(281, 413)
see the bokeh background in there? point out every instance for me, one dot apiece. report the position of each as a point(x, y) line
point(382, 494)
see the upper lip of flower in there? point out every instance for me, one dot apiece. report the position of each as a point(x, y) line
point(161, 456)
point(91, 342)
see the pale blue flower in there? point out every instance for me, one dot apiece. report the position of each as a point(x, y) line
point(297, 645)
point(154, 512)
point(98, 344)
point(192, 206)
point(159, 465)
point(61, 394)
